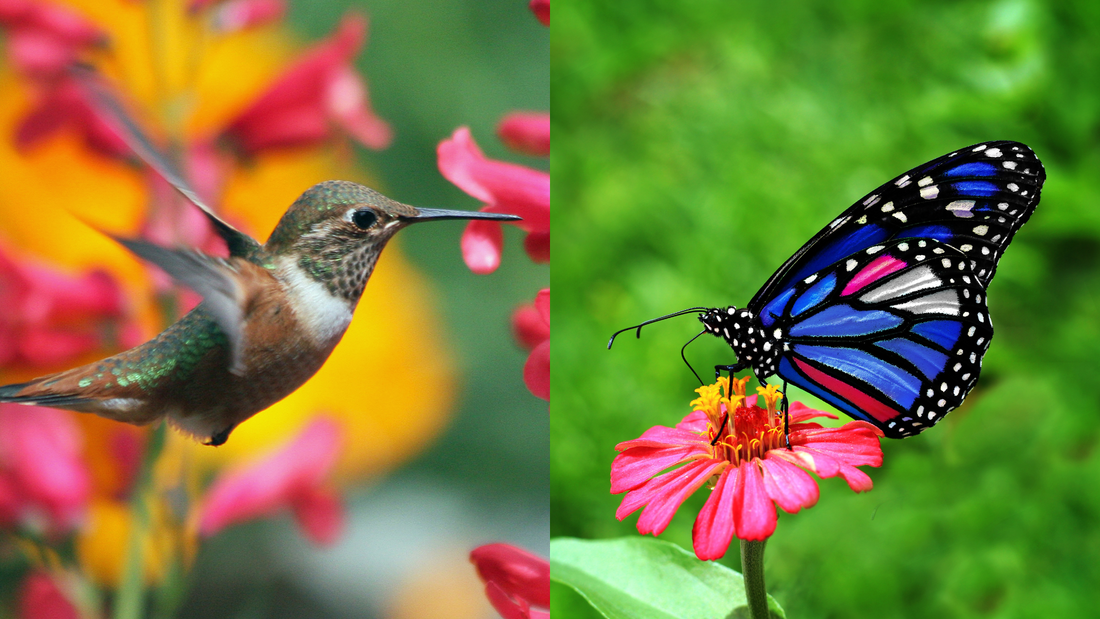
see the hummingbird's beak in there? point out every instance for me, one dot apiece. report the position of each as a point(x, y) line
point(432, 214)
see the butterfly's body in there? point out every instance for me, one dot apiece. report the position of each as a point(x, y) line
point(883, 313)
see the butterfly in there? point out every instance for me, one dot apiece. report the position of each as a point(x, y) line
point(883, 313)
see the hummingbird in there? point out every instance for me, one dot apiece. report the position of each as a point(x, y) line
point(270, 316)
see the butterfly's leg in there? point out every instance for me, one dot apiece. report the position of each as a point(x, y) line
point(729, 368)
point(786, 418)
point(718, 374)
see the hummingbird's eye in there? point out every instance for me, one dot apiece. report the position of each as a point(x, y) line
point(364, 218)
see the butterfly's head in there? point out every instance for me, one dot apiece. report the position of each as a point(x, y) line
point(746, 336)
point(726, 322)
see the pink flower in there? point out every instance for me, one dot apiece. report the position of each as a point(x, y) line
point(293, 477)
point(41, 598)
point(42, 469)
point(531, 325)
point(237, 15)
point(504, 188)
point(319, 92)
point(44, 39)
point(47, 318)
point(526, 132)
point(64, 104)
point(541, 9)
point(514, 580)
point(745, 454)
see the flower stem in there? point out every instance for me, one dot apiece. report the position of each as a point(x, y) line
point(752, 570)
point(130, 601)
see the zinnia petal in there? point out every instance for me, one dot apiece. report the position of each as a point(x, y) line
point(753, 511)
point(790, 487)
point(638, 465)
point(669, 491)
point(713, 530)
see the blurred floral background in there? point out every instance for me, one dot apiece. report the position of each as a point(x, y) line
point(698, 145)
point(423, 437)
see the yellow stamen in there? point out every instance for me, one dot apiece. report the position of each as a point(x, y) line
point(771, 395)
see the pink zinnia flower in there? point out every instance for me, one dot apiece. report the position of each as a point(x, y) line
point(42, 469)
point(317, 94)
point(515, 580)
point(504, 188)
point(531, 324)
point(740, 449)
point(293, 477)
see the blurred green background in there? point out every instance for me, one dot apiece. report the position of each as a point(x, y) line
point(431, 67)
point(698, 145)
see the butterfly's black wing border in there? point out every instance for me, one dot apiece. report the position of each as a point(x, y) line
point(928, 196)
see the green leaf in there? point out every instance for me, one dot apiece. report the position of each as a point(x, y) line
point(633, 577)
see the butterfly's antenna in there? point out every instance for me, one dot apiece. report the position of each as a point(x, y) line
point(684, 357)
point(690, 310)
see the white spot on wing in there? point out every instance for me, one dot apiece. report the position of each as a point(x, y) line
point(929, 193)
point(908, 282)
point(942, 302)
point(961, 208)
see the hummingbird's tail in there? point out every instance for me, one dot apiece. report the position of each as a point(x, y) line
point(29, 393)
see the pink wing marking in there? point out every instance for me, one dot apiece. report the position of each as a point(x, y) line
point(873, 272)
point(864, 402)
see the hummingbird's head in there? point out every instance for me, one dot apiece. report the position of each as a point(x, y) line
point(336, 230)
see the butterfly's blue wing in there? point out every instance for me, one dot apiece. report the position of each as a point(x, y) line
point(893, 334)
point(974, 199)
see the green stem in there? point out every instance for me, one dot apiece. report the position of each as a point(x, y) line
point(130, 601)
point(752, 570)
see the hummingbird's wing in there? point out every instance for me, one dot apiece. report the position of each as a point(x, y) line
point(111, 109)
point(218, 280)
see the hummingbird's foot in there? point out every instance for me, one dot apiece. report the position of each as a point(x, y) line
point(220, 438)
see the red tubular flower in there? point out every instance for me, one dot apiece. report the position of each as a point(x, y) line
point(42, 468)
point(745, 454)
point(515, 580)
point(531, 324)
point(504, 188)
point(541, 9)
point(293, 477)
point(48, 318)
point(41, 598)
point(44, 39)
point(64, 104)
point(320, 91)
point(526, 132)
